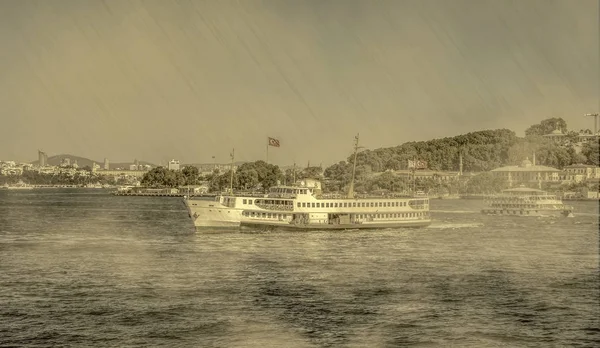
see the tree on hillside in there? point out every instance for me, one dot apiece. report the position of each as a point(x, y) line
point(154, 177)
point(547, 126)
point(387, 181)
point(394, 163)
point(213, 180)
point(522, 149)
point(247, 178)
point(553, 156)
point(223, 181)
point(190, 174)
point(162, 177)
point(485, 183)
point(266, 174)
point(590, 151)
point(338, 176)
point(483, 150)
point(288, 176)
point(369, 158)
point(338, 171)
point(310, 173)
point(576, 158)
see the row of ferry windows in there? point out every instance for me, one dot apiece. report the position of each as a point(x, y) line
point(267, 215)
point(289, 191)
point(522, 205)
point(267, 201)
point(350, 204)
point(332, 204)
point(360, 216)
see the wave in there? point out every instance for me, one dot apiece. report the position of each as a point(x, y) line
point(455, 225)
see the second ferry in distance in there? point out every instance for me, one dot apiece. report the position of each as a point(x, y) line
point(524, 201)
point(302, 207)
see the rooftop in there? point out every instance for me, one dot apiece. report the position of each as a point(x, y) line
point(523, 189)
point(526, 166)
point(555, 133)
point(581, 165)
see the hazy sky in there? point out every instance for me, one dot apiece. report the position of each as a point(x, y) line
point(155, 80)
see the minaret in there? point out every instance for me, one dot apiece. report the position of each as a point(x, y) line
point(460, 163)
point(293, 183)
point(231, 180)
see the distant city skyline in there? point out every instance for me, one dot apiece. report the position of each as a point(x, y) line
point(159, 81)
point(214, 160)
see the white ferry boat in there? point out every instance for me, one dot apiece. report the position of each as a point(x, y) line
point(523, 201)
point(303, 207)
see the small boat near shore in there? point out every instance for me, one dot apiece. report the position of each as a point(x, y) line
point(524, 201)
point(18, 186)
point(451, 196)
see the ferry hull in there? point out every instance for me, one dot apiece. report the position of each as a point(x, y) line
point(525, 212)
point(265, 225)
point(207, 226)
point(212, 216)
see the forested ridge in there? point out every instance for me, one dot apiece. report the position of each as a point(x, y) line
point(481, 151)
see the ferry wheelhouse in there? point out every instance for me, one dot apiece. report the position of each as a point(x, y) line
point(523, 201)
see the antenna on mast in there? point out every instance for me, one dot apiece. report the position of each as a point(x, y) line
point(351, 188)
point(294, 171)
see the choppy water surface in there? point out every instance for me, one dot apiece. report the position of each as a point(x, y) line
point(83, 268)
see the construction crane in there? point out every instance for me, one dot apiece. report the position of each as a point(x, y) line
point(595, 122)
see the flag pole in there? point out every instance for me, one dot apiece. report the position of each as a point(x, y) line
point(267, 150)
point(231, 179)
point(351, 187)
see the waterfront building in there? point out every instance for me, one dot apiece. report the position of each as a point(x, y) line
point(173, 164)
point(527, 173)
point(42, 159)
point(581, 172)
point(116, 173)
point(556, 135)
point(438, 176)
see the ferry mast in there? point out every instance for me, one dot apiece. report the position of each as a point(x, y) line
point(351, 188)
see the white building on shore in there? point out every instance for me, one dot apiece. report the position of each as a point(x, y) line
point(173, 165)
point(527, 173)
